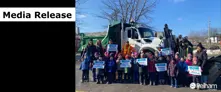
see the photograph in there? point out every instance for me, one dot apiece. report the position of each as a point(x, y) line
point(148, 46)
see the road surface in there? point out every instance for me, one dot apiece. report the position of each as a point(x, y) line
point(116, 87)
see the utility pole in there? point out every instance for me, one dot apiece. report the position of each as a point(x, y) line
point(209, 33)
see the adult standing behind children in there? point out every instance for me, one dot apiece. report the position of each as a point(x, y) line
point(202, 59)
point(127, 49)
point(99, 48)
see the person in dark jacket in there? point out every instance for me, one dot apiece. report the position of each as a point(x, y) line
point(110, 68)
point(202, 59)
point(143, 74)
point(100, 73)
point(161, 74)
point(99, 48)
point(135, 67)
point(182, 76)
point(90, 50)
point(178, 41)
point(85, 69)
point(172, 71)
point(96, 57)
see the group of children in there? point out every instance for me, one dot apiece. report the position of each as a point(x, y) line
point(176, 73)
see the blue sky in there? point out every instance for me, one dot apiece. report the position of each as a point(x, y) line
point(182, 16)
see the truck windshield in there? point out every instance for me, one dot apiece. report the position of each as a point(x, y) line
point(146, 33)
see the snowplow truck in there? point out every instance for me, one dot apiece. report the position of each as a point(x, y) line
point(141, 38)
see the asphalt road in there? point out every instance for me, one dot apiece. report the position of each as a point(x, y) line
point(93, 87)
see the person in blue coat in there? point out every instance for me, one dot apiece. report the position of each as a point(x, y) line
point(85, 69)
point(110, 68)
point(135, 67)
point(183, 71)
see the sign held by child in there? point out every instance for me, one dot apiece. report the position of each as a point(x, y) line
point(161, 67)
point(142, 61)
point(98, 64)
point(125, 63)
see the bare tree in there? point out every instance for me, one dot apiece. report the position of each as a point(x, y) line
point(125, 10)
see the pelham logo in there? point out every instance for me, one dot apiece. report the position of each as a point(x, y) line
point(203, 86)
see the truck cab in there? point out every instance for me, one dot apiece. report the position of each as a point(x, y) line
point(142, 38)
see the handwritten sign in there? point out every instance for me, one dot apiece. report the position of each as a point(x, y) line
point(125, 63)
point(142, 61)
point(166, 51)
point(161, 67)
point(194, 70)
point(112, 47)
point(98, 64)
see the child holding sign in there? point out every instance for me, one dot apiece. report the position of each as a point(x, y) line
point(161, 74)
point(127, 72)
point(119, 69)
point(196, 78)
point(143, 71)
point(100, 72)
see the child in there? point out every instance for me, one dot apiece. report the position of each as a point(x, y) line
point(106, 59)
point(143, 71)
point(195, 78)
point(182, 76)
point(151, 69)
point(96, 56)
point(127, 71)
point(115, 66)
point(168, 59)
point(189, 63)
point(100, 73)
point(161, 74)
point(173, 72)
point(177, 58)
point(135, 68)
point(85, 69)
point(119, 69)
point(110, 66)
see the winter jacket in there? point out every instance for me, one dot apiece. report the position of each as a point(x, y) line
point(90, 50)
point(135, 65)
point(100, 50)
point(182, 67)
point(172, 70)
point(151, 66)
point(85, 64)
point(189, 63)
point(110, 65)
point(202, 59)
